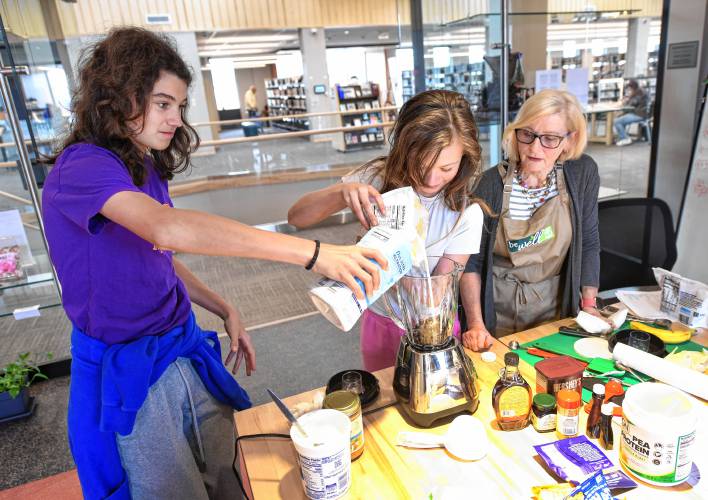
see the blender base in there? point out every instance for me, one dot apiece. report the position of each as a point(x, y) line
point(428, 419)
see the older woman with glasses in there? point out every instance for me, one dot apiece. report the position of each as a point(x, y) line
point(540, 256)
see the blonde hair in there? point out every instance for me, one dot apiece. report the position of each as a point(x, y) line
point(545, 103)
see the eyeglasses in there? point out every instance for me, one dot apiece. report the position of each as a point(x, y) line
point(548, 141)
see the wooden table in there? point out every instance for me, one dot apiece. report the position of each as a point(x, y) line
point(593, 110)
point(386, 471)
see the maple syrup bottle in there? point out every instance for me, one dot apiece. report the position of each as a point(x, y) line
point(511, 396)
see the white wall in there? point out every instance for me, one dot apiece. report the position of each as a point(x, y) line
point(367, 64)
point(680, 102)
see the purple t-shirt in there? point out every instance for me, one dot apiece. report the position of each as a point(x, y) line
point(116, 288)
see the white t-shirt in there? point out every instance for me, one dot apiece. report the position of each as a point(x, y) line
point(445, 234)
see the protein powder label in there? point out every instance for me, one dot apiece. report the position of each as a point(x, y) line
point(655, 459)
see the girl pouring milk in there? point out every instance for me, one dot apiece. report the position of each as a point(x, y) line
point(151, 403)
point(434, 149)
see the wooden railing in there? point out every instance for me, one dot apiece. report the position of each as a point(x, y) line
point(266, 137)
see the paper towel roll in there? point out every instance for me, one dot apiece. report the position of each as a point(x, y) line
point(670, 373)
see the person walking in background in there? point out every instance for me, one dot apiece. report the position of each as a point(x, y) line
point(250, 102)
point(637, 99)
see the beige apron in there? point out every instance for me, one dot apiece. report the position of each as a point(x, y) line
point(528, 259)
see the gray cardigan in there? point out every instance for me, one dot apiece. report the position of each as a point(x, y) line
point(581, 268)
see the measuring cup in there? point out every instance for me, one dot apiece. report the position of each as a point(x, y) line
point(465, 438)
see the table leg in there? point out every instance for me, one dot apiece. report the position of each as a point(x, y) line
point(609, 131)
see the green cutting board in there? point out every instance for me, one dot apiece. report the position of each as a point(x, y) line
point(559, 343)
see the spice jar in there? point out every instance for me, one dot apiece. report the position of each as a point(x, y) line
point(568, 416)
point(348, 403)
point(543, 417)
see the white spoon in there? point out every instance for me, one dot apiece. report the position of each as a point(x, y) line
point(465, 438)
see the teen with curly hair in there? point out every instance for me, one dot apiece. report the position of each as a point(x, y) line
point(151, 403)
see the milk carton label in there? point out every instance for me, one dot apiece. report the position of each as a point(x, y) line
point(338, 303)
point(400, 237)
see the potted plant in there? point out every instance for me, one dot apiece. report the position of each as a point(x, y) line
point(15, 378)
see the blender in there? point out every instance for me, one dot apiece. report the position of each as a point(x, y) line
point(433, 377)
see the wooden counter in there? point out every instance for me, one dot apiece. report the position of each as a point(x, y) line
point(386, 471)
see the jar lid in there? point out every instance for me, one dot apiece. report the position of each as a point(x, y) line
point(544, 401)
point(568, 399)
point(344, 401)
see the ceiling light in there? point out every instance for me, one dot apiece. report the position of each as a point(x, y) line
point(232, 52)
point(247, 39)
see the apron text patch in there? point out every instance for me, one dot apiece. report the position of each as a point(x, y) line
point(537, 238)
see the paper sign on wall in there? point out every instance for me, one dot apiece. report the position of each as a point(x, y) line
point(576, 82)
point(548, 79)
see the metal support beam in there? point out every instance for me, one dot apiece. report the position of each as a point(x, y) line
point(418, 45)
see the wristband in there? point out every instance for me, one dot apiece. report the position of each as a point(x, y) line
point(588, 302)
point(314, 256)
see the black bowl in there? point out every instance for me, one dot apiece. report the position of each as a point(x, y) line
point(656, 345)
point(371, 386)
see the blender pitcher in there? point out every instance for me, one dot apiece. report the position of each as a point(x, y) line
point(425, 306)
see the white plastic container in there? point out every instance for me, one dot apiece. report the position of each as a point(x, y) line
point(658, 434)
point(324, 455)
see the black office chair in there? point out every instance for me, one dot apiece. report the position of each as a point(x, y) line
point(636, 234)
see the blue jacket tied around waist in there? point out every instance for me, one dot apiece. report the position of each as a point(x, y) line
point(109, 384)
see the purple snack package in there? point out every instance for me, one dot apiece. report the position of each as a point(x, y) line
point(574, 458)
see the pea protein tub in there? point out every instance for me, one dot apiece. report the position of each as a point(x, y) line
point(658, 434)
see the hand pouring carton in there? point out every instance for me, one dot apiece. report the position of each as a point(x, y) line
point(399, 237)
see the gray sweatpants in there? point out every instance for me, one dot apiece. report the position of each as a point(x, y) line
point(182, 445)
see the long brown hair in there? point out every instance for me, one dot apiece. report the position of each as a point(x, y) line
point(426, 124)
point(116, 78)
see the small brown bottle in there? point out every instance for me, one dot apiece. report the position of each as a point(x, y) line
point(511, 396)
point(606, 437)
point(592, 430)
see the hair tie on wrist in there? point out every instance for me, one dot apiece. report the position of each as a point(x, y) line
point(314, 256)
point(588, 302)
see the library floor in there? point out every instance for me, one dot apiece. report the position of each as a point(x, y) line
point(271, 296)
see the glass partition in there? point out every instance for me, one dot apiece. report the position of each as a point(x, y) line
point(28, 288)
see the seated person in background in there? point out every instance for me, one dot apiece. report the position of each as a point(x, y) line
point(639, 102)
point(434, 149)
point(540, 257)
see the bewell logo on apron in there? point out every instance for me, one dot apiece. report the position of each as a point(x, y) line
point(537, 238)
